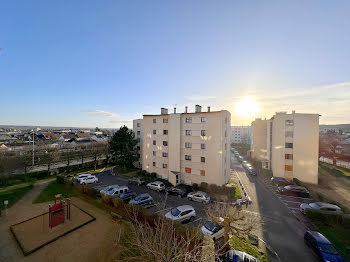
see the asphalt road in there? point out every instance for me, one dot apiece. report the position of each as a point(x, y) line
point(162, 202)
point(280, 228)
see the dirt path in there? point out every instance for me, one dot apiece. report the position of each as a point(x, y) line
point(92, 242)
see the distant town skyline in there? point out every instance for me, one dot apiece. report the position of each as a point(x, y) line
point(88, 63)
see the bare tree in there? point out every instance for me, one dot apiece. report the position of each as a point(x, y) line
point(50, 155)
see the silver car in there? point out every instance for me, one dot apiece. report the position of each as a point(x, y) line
point(157, 185)
point(320, 206)
point(181, 214)
point(142, 200)
point(199, 197)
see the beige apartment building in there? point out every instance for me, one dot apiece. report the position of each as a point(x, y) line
point(288, 145)
point(188, 147)
point(138, 130)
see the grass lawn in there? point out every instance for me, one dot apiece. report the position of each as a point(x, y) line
point(124, 170)
point(52, 189)
point(338, 235)
point(244, 245)
point(13, 195)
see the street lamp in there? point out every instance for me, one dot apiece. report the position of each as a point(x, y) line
point(33, 130)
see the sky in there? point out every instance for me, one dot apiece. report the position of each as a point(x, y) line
point(103, 63)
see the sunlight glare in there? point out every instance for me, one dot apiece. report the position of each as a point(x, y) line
point(247, 107)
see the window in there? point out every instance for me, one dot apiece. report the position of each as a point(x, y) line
point(138, 155)
point(165, 165)
point(289, 122)
point(154, 153)
point(225, 146)
point(138, 133)
point(165, 154)
point(188, 145)
point(154, 163)
point(138, 125)
point(188, 157)
point(203, 159)
point(289, 133)
point(188, 119)
point(188, 170)
point(165, 143)
point(202, 172)
point(165, 132)
point(154, 120)
point(154, 132)
point(203, 119)
point(188, 132)
point(288, 168)
point(138, 148)
point(203, 132)
point(165, 120)
point(289, 156)
point(225, 133)
point(138, 140)
point(289, 145)
point(154, 142)
point(225, 120)
point(202, 146)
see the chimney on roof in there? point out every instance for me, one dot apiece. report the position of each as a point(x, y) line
point(208, 108)
point(163, 111)
point(185, 109)
point(293, 112)
point(198, 109)
point(174, 110)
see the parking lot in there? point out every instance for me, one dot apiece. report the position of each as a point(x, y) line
point(162, 203)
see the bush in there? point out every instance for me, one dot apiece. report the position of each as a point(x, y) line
point(91, 192)
point(107, 200)
point(60, 179)
point(153, 175)
point(297, 181)
point(327, 218)
point(204, 186)
point(195, 186)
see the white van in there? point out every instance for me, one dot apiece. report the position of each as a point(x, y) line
point(115, 192)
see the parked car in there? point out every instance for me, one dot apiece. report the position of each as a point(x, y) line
point(214, 230)
point(115, 192)
point(107, 189)
point(78, 178)
point(251, 171)
point(239, 256)
point(136, 181)
point(320, 206)
point(126, 197)
point(157, 185)
point(199, 197)
point(181, 214)
point(246, 164)
point(322, 247)
point(88, 180)
point(176, 191)
point(297, 191)
point(240, 158)
point(280, 181)
point(142, 200)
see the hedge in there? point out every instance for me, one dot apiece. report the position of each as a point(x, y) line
point(328, 218)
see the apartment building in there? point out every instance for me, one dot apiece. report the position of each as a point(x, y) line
point(188, 147)
point(138, 130)
point(241, 134)
point(288, 145)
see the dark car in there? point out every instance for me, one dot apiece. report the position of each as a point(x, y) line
point(321, 245)
point(251, 171)
point(240, 158)
point(126, 197)
point(136, 181)
point(280, 181)
point(296, 191)
point(176, 191)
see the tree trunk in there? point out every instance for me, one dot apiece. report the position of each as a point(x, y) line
point(95, 162)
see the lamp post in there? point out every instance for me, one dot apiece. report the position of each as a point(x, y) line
point(37, 129)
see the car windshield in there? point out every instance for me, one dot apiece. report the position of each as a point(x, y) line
point(175, 212)
point(210, 225)
point(328, 248)
point(314, 205)
point(138, 198)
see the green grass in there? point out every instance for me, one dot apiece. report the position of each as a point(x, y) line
point(334, 171)
point(52, 189)
point(244, 245)
point(13, 195)
point(125, 170)
point(23, 178)
point(338, 235)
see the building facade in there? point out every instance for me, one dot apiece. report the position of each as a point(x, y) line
point(241, 134)
point(138, 130)
point(288, 145)
point(188, 147)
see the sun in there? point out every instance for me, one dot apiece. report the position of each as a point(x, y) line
point(247, 107)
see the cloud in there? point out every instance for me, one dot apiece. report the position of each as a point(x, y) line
point(98, 112)
point(120, 121)
point(199, 98)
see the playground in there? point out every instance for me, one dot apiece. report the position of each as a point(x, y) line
point(36, 232)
